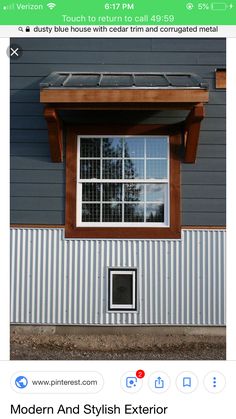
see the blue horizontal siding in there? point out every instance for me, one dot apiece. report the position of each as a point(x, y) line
point(38, 185)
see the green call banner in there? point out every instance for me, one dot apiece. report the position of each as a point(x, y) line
point(127, 13)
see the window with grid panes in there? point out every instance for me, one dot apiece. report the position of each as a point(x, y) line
point(123, 181)
point(122, 289)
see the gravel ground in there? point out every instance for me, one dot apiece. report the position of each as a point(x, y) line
point(120, 347)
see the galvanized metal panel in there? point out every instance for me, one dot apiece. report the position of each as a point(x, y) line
point(131, 80)
point(58, 281)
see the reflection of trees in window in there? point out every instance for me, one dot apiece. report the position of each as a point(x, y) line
point(90, 169)
point(134, 213)
point(112, 169)
point(90, 147)
point(112, 147)
point(129, 170)
point(91, 192)
point(134, 192)
point(91, 213)
point(112, 192)
point(122, 160)
point(112, 213)
point(155, 213)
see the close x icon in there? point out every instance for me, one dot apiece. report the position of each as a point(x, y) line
point(14, 51)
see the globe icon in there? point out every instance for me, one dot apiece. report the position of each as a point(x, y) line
point(21, 382)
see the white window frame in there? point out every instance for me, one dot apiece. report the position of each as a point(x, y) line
point(122, 307)
point(79, 183)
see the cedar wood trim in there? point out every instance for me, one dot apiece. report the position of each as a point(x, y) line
point(54, 226)
point(178, 96)
point(73, 231)
point(220, 78)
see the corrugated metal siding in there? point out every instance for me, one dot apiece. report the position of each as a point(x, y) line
point(58, 281)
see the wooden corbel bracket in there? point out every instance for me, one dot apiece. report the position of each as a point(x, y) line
point(54, 133)
point(191, 132)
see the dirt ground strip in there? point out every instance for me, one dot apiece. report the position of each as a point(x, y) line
point(117, 347)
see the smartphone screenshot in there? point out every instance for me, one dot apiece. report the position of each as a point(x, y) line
point(118, 276)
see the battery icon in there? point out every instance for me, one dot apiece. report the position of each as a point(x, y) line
point(218, 7)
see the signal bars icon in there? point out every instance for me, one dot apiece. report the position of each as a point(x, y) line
point(51, 5)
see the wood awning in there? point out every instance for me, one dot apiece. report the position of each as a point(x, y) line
point(119, 91)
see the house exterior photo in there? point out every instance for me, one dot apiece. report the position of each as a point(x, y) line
point(118, 182)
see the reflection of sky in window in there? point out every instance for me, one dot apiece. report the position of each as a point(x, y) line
point(154, 193)
point(112, 147)
point(156, 169)
point(123, 158)
point(134, 169)
point(134, 147)
point(156, 147)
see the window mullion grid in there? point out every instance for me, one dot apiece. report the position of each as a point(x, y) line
point(159, 181)
point(123, 160)
point(101, 195)
point(101, 184)
point(145, 177)
point(166, 202)
point(122, 203)
point(167, 188)
point(165, 182)
point(123, 185)
point(79, 186)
